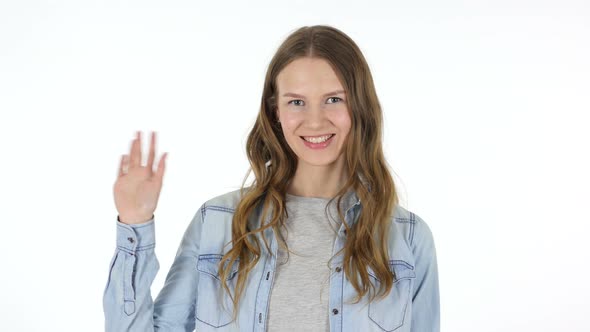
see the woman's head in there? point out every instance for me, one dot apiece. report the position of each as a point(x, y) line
point(310, 62)
point(313, 61)
point(312, 111)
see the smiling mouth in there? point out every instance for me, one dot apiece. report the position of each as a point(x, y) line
point(317, 139)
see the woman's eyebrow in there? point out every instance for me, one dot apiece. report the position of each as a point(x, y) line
point(291, 94)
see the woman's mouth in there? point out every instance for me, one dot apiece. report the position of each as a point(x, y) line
point(317, 142)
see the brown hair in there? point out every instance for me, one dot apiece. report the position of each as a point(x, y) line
point(274, 164)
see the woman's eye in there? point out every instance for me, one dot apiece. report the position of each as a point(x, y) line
point(294, 100)
point(335, 98)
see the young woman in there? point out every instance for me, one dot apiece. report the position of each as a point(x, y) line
point(316, 242)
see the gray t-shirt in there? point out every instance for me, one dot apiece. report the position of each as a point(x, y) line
point(300, 293)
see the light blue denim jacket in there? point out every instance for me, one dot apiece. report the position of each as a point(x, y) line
point(189, 298)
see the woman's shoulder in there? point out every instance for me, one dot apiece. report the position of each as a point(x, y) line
point(225, 201)
point(411, 225)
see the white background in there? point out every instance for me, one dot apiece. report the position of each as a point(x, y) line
point(486, 130)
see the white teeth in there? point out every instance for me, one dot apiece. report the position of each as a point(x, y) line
point(317, 139)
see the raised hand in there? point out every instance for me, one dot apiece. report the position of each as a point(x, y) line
point(137, 188)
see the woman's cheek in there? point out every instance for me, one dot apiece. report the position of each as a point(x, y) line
point(342, 117)
point(291, 118)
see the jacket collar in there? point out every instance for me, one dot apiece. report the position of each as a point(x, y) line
point(350, 201)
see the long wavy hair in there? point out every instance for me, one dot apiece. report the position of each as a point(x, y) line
point(274, 164)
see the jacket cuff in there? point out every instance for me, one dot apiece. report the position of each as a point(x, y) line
point(132, 238)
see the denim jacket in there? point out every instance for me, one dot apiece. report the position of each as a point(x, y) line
point(190, 300)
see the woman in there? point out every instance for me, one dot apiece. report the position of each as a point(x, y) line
point(322, 192)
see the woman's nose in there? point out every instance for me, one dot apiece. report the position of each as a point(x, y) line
point(316, 115)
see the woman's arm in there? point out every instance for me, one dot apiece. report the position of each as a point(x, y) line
point(127, 301)
point(425, 299)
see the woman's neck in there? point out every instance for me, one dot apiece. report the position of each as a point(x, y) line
point(318, 181)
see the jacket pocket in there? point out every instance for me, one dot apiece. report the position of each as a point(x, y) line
point(214, 306)
point(389, 313)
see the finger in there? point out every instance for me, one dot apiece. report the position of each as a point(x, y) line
point(161, 167)
point(151, 154)
point(121, 164)
point(135, 154)
point(126, 164)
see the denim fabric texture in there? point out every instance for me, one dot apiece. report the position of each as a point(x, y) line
point(192, 298)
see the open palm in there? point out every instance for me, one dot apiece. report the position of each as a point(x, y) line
point(138, 187)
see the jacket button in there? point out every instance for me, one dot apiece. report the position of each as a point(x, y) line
point(335, 311)
point(130, 239)
point(338, 269)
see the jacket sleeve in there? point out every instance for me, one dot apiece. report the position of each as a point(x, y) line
point(425, 297)
point(127, 301)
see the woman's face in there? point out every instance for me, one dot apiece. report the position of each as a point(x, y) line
point(312, 106)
